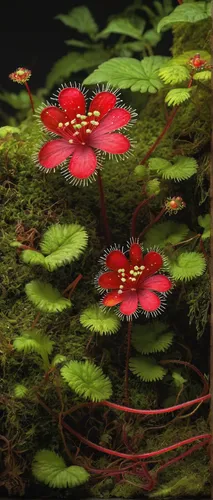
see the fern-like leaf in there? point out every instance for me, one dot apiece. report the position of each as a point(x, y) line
point(174, 74)
point(146, 369)
point(187, 266)
point(33, 341)
point(175, 97)
point(165, 233)
point(182, 168)
point(87, 380)
point(50, 469)
point(97, 320)
point(58, 360)
point(45, 297)
point(154, 337)
point(205, 222)
point(62, 244)
point(20, 391)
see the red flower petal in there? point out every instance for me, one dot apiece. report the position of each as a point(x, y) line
point(115, 119)
point(152, 262)
point(109, 280)
point(72, 101)
point(51, 117)
point(112, 299)
point(110, 143)
point(129, 304)
point(159, 283)
point(135, 253)
point(103, 102)
point(55, 152)
point(116, 260)
point(83, 162)
point(149, 301)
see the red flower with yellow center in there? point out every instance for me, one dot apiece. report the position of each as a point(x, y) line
point(83, 134)
point(134, 284)
point(197, 63)
point(21, 75)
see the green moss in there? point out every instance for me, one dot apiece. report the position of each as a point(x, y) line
point(189, 36)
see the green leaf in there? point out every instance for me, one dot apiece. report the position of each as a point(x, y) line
point(174, 74)
point(151, 37)
point(187, 266)
point(79, 43)
point(4, 131)
point(50, 469)
point(73, 63)
point(182, 168)
point(186, 13)
point(20, 391)
point(126, 72)
point(175, 97)
point(45, 297)
point(87, 380)
point(140, 171)
point(81, 19)
point(165, 233)
point(154, 337)
point(17, 101)
point(205, 222)
point(121, 26)
point(33, 341)
point(178, 379)
point(203, 76)
point(58, 359)
point(146, 369)
point(62, 244)
point(185, 57)
point(98, 320)
point(153, 187)
point(33, 258)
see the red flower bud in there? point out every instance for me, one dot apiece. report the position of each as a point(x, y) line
point(20, 75)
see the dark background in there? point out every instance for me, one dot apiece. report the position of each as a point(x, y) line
point(31, 37)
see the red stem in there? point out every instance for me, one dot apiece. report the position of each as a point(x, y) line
point(156, 219)
point(135, 214)
point(103, 209)
point(30, 96)
point(126, 389)
point(160, 137)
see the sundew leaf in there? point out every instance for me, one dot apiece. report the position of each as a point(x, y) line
point(203, 76)
point(165, 233)
point(126, 72)
point(20, 391)
point(62, 244)
point(187, 266)
point(87, 380)
point(186, 13)
point(154, 337)
point(174, 74)
point(58, 360)
point(81, 19)
point(50, 469)
point(33, 258)
point(100, 321)
point(205, 222)
point(45, 297)
point(182, 168)
point(175, 97)
point(121, 26)
point(33, 341)
point(146, 369)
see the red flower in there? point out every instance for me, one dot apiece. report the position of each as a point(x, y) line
point(134, 282)
point(197, 63)
point(175, 204)
point(81, 134)
point(21, 75)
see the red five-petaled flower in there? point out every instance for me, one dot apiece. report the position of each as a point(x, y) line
point(81, 134)
point(134, 284)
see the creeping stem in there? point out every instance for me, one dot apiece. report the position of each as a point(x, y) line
point(136, 212)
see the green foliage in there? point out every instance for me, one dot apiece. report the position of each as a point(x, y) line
point(17, 101)
point(153, 187)
point(159, 10)
point(20, 391)
point(58, 359)
point(33, 341)
point(205, 222)
point(198, 299)
point(4, 131)
point(100, 321)
point(178, 379)
point(140, 171)
point(186, 13)
point(80, 19)
point(126, 72)
point(45, 297)
point(203, 76)
point(153, 337)
point(33, 257)
point(174, 74)
point(146, 369)
point(185, 56)
point(180, 169)
point(50, 469)
point(187, 265)
point(87, 380)
point(165, 233)
point(175, 97)
point(121, 26)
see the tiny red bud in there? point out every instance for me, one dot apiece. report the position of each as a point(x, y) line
point(20, 75)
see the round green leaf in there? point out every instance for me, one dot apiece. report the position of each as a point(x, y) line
point(154, 337)
point(62, 244)
point(165, 233)
point(50, 469)
point(45, 297)
point(187, 266)
point(146, 369)
point(87, 380)
point(98, 320)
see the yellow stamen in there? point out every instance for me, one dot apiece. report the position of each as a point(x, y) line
point(73, 121)
point(96, 113)
point(89, 114)
point(93, 122)
point(70, 141)
point(78, 115)
point(76, 133)
point(84, 123)
point(66, 124)
point(123, 279)
point(83, 117)
point(60, 124)
point(88, 131)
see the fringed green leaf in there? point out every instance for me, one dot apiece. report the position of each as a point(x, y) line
point(175, 97)
point(203, 76)
point(100, 321)
point(58, 360)
point(33, 341)
point(187, 266)
point(146, 369)
point(50, 469)
point(205, 222)
point(33, 258)
point(62, 244)
point(87, 380)
point(182, 167)
point(165, 233)
point(154, 337)
point(20, 391)
point(174, 74)
point(45, 297)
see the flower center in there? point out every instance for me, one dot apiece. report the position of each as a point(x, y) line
point(129, 279)
point(79, 127)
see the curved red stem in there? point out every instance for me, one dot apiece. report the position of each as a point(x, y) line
point(30, 96)
point(135, 214)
